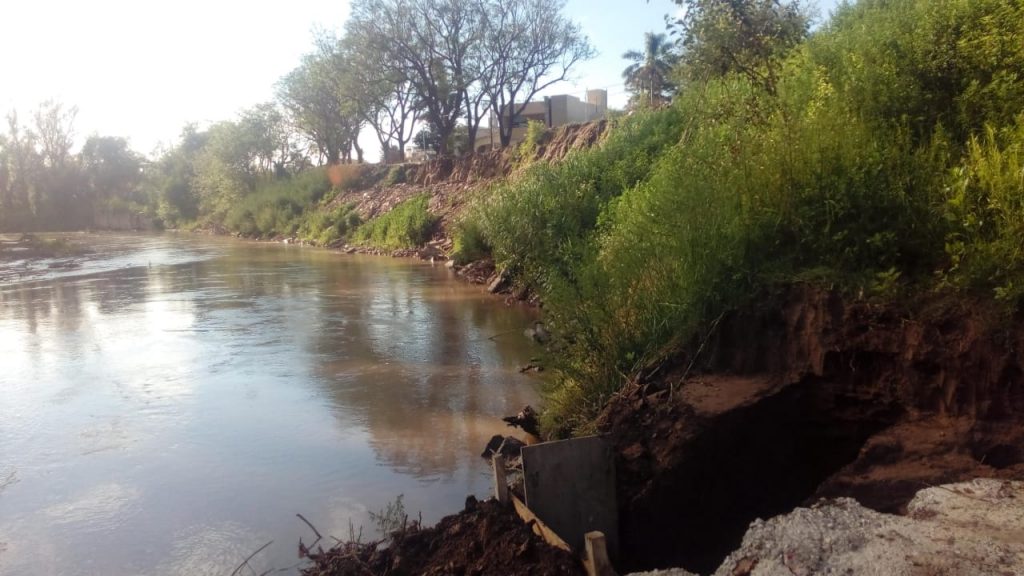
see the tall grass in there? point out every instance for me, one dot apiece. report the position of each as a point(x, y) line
point(537, 224)
point(407, 225)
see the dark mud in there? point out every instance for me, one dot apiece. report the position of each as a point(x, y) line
point(486, 539)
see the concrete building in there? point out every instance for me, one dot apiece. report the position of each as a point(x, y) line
point(553, 111)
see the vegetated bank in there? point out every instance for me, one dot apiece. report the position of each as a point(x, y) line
point(401, 209)
point(771, 292)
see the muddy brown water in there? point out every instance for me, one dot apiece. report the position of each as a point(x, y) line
point(171, 402)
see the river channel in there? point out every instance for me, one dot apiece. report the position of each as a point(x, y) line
point(171, 402)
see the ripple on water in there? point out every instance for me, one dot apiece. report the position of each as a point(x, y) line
point(102, 507)
point(213, 550)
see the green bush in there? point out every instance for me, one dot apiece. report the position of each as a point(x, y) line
point(536, 134)
point(469, 242)
point(407, 225)
point(276, 207)
point(537, 222)
point(986, 207)
point(328, 227)
point(396, 175)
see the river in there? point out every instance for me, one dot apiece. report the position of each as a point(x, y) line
point(170, 405)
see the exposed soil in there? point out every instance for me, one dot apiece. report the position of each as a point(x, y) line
point(486, 539)
point(451, 183)
point(812, 397)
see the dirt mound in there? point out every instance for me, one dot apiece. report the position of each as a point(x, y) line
point(811, 396)
point(485, 539)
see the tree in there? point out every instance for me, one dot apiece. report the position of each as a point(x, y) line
point(21, 165)
point(648, 75)
point(312, 95)
point(112, 169)
point(428, 42)
point(55, 130)
point(267, 136)
point(60, 197)
point(171, 179)
point(384, 98)
point(533, 46)
point(748, 37)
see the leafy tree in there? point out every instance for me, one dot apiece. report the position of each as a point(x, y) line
point(312, 95)
point(54, 126)
point(21, 165)
point(112, 170)
point(60, 200)
point(384, 98)
point(268, 137)
point(532, 46)
point(429, 42)
point(171, 178)
point(748, 37)
point(648, 75)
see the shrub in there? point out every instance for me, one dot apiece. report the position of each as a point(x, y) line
point(327, 227)
point(536, 134)
point(986, 206)
point(537, 222)
point(469, 242)
point(407, 225)
point(396, 175)
point(276, 207)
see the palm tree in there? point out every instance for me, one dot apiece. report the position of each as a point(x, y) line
point(648, 75)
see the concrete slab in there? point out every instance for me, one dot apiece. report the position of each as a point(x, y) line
point(570, 485)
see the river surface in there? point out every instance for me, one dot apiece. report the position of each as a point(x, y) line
point(168, 406)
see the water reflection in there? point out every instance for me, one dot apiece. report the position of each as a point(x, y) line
point(173, 417)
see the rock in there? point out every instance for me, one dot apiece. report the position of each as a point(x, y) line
point(538, 333)
point(430, 252)
point(505, 445)
point(972, 527)
point(498, 283)
point(449, 264)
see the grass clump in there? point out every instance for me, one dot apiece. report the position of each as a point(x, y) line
point(537, 134)
point(330, 227)
point(396, 175)
point(407, 225)
point(469, 243)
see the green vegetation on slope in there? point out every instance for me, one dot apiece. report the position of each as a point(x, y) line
point(277, 206)
point(885, 153)
point(407, 225)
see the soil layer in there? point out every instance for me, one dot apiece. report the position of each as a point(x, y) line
point(812, 397)
point(486, 539)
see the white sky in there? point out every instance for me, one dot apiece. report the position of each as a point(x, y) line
point(142, 69)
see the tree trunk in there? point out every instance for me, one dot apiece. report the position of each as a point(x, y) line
point(359, 151)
